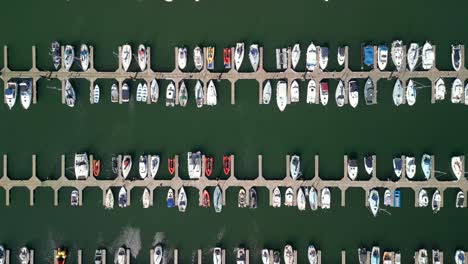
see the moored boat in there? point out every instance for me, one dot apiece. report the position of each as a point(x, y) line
point(301, 200)
point(240, 256)
point(265, 256)
point(139, 93)
point(397, 166)
point(70, 96)
point(324, 92)
point(457, 166)
point(142, 57)
point(25, 90)
point(145, 198)
point(397, 93)
point(217, 252)
point(295, 167)
point(158, 254)
point(311, 92)
point(218, 199)
point(170, 198)
point(457, 91)
point(24, 255)
point(352, 169)
point(397, 54)
point(96, 94)
point(182, 200)
point(210, 53)
point(199, 95)
point(423, 198)
point(227, 58)
point(55, 53)
point(194, 164)
point(313, 198)
point(238, 55)
point(362, 255)
point(98, 256)
point(254, 56)
point(440, 89)
point(74, 197)
point(11, 91)
point(208, 166)
point(114, 93)
point(125, 93)
point(143, 166)
point(211, 95)
point(226, 164)
point(435, 256)
point(183, 94)
point(312, 254)
point(375, 255)
point(436, 201)
point(369, 91)
point(276, 197)
point(294, 92)
point(295, 55)
point(410, 167)
point(387, 197)
point(241, 198)
point(288, 255)
point(81, 166)
point(171, 165)
point(121, 256)
point(426, 165)
point(253, 198)
point(122, 197)
point(109, 202)
point(325, 198)
point(374, 201)
point(382, 57)
point(412, 57)
point(411, 93)
point(281, 95)
point(427, 56)
point(387, 258)
point(84, 57)
point(126, 56)
point(154, 91)
point(353, 93)
point(266, 96)
point(422, 256)
point(369, 164)
point(460, 200)
point(154, 165)
point(170, 94)
point(206, 201)
point(182, 58)
point(311, 57)
point(288, 197)
point(323, 58)
point(341, 55)
point(340, 93)
point(459, 257)
point(456, 57)
point(126, 165)
point(198, 58)
point(69, 57)
point(368, 52)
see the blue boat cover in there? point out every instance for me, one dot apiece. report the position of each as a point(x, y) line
point(369, 55)
point(170, 203)
point(8, 91)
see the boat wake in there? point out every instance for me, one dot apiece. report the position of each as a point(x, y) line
point(130, 237)
point(159, 238)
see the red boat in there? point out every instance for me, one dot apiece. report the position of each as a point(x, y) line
point(208, 166)
point(227, 58)
point(171, 165)
point(206, 199)
point(96, 167)
point(226, 164)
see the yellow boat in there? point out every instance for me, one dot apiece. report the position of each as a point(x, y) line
point(210, 58)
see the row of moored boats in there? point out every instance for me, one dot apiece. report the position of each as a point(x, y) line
point(389, 257)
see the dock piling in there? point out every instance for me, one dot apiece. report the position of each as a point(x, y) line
point(343, 257)
point(31, 197)
point(104, 256)
point(127, 261)
point(232, 165)
point(223, 256)
point(31, 256)
point(176, 256)
point(247, 256)
point(151, 256)
point(316, 175)
point(33, 58)
point(288, 169)
point(62, 162)
point(80, 256)
point(5, 58)
point(260, 166)
point(55, 254)
point(5, 166)
point(33, 173)
point(233, 92)
point(56, 198)
point(7, 256)
point(199, 253)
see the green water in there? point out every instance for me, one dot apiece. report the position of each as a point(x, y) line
point(246, 129)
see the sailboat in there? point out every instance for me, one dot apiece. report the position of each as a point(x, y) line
point(340, 94)
point(109, 202)
point(325, 198)
point(313, 198)
point(183, 94)
point(312, 254)
point(199, 95)
point(55, 52)
point(382, 57)
point(145, 198)
point(436, 201)
point(457, 166)
point(288, 255)
point(198, 58)
point(69, 57)
point(182, 200)
point(295, 55)
point(281, 95)
point(143, 166)
point(211, 96)
point(411, 93)
point(427, 56)
point(266, 96)
point(374, 201)
point(170, 94)
point(126, 165)
point(457, 91)
point(440, 89)
point(84, 57)
point(157, 255)
point(182, 57)
point(324, 92)
point(341, 55)
point(122, 197)
point(413, 56)
point(70, 95)
point(456, 57)
point(311, 92)
point(352, 169)
point(254, 56)
point(154, 165)
point(218, 199)
point(410, 167)
point(238, 55)
point(276, 197)
point(154, 91)
point(353, 93)
point(397, 93)
point(323, 58)
point(301, 200)
point(126, 56)
point(311, 57)
point(397, 53)
point(294, 92)
point(423, 198)
point(142, 57)
point(426, 165)
point(10, 94)
point(369, 91)
point(295, 167)
point(25, 90)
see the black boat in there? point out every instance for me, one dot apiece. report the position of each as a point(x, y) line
point(253, 198)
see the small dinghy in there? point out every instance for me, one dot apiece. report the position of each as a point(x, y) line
point(206, 202)
point(267, 92)
point(126, 56)
point(412, 57)
point(253, 198)
point(265, 256)
point(276, 197)
point(55, 53)
point(397, 54)
point(294, 92)
point(325, 198)
point(154, 91)
point(254, 56)
point(459, 257)
point(397, 93)
point(324, 92)
point(227, 58)
point(323, 58)
point(382, 57)
point(69, 57)
point(456, 57)
point(440, 89)
point(84, 57)
point(375, 255)
point(353, 93)
point(142, 57)
point(70, 95)
point(387, 197)
point(217, 255)
point(241, 198)
point(311, 57)
point(210, 58)
point(139, 93)
point(170, 94)
point(460, 200)
point(218, 200)
point(211, 95)
point(183, 94)
point(341, 56)
point(170, 198)
point(126, 165)
point(238, 55)
point(295, 55)
point(340, 94)
point(457, 91)
point(145, 198)
point(182, 58)
point(313, 199)
point(155, 160)
point(369, 91)
point(352, 169)
point(312, 255)
point(436, 201)
point(74, 198)
point(198, 58)
point(289, 197)
point(96, 94)
point(182, 200)
point(426, 165)
point(157, 255)
point(397, 166)
point(199, 95)
point(457, 166)
point(369, 164)
point(311, 92)
point(295, 167)
point(427, 56)
point(281, 95)
point(125, 93)
point(374, 200)
point(143, 166)
point(423, 198)
point(410, 167)
point(301, 200)
point(123, 197)
point(288, 254)
point(25, 90)
point(114, 93)
point(411, 93)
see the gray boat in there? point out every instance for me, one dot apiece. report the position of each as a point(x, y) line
point(218, 200)
point(362, 254)
point(253, 198)
point(369, 91)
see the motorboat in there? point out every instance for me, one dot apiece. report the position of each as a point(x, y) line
point(254, 56)
point(311, 92)
point(289, 197)
point(397, 166)
point(459, 257)
point(397, 53)
point(436, 256)
point(410, 167)
point(411, 93)
point(241, 198)
point(387, 258)
point(456, 57)
point(157, 254)
point(154, 91)
point(440, 89)
point(466, 94)
point(211, 95)
point(74, 198)
point(325, 198)
point(422, 256)
point(369, 164)
point(182, 200)
point(288, 255)
point(96, 94)
point(387, 197)
point(238, 55)
point(81, 166)
point(218, 199)
point(170, 94)
point(122, 197)
point(126, 165)
point(276, 197)
point(397, 93)
point(96, 167)
point(281, 95)
point(375, 255)
point(294, 92)
point(227, 58)
point(311, 57)
point(226, 164)
point(352, 169)
point(368, 52)
point(457, 166)
point(460, 200)
point(323, 58)
point(183, 94)
point(139, 94)
point(206, 201)
point(142, 57)
point(382, 57)
point(374, 201)
point(436, 201)
point(198, 58)
point(457, 91)
point(276, 257)
point(155, 161)
point(109, 202)
point(265, 256)
point(98, 255)
point(295, 167)
point(340, 93)
point(267, 92)
point(426, 165)
point(170, 198)
point(412, 57)
point(10, 94)
point(423, 198)
point(324, 92)
point(217, 254)
point(194, 164)
point(428, 56)
point(253, 198)
point(145, 198)
point(182, 57)
point(126, 56)
point(313, 198)
point(295, 55)
point(353, 93)
point(341, 55)
point(25, 90)
point(84, 57)
point(125, 93)
point(24, 256)
point(210, 54)
point(301, 200)
point(56, 54)
point(114, 93)
point(208, 166)
point(199, 95)
point(143, 166)
point(362, 255)
point(312, 255)
point(69, 57)
point(240, 256)
point(369, 91)
point(70, 96)
point(122, 256)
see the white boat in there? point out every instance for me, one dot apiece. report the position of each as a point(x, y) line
point(323, 57)
point(143, 166)
point(289, 197)
point(301, 200)
point(387, 197)
point(182, 200)
point(288, 254)
point(157, 255)
point(69, 57)
point(295, 167)
point(84, 57)
point(460, 257)
point(311, 92)
point(25, 90)
point(456, 57)
point(198, 58)
point(267, 93)
point(397, 258)
point(74, 198)
point(126, 165)
point(114, 93)
point(183, 94)
point(410, 93)
point(194, 164)
point(436, 256)
point(440, 89)
point(397, 93)
point(211, 95)
point(325, 198)
point(341, 55)
point(240, 256)
point(457, 91)
point(281, 95)
point(353, 93)
point(460, 200)
point(2, 255)
point(340, 93)
point(323, 92)
point(375, 255)
point(170, 94)
point(423, 198)
point(426, 165)
point(81, 166)
point(276, 257)
point(276, 197)
point(265, 256)
point(145, 198)
point(312, 255)
point(427, 56)
point(10, 94)
point(154, 91)
point(238, 55)
point(254, 56)
point(374, 201)
point(352, 169)
point(96, 94)
point(457, 166)
point(436, 201)
point(126, 56)
point(217, 252)
point(295, 55)
point(121, 256)
point(155, 160)
point(311, 57)
point(369, 164)
point(410, 167)
point(313, 198)
point(144, 92)
point(142, 57)
point(109, 203)
point(24, 255)
point(199, 95)
point(122, 197)
point(70, 96)
point(466, 94)
point(294, 92)
point(382, 57)
point(422, 256)
point(139, 92)
point(397, 54)
point(182, 57)
point(412, 57)
point(241, 198)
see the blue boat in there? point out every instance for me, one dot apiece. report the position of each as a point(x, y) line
point(396, 199)
point(375, 255)
point(369, 55)
point(170, 198)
